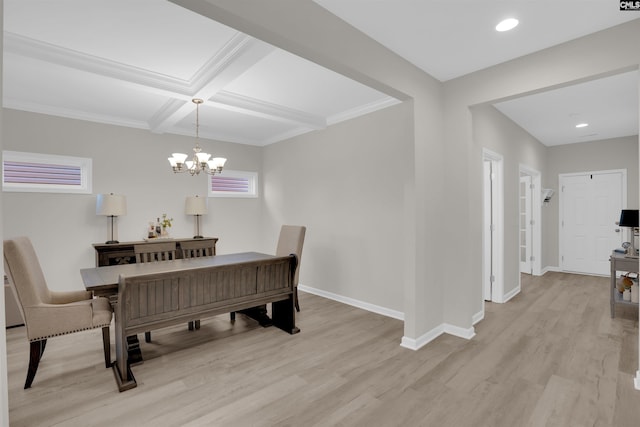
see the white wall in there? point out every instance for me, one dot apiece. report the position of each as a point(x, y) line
point(345, 184)
point(126, 161)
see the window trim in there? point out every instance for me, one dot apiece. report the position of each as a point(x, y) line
point(252, 178)
point(83, 163)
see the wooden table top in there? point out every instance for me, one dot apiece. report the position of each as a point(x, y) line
point(107, 277)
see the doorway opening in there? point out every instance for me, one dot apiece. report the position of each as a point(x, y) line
point(530, 211)
point(493, 227)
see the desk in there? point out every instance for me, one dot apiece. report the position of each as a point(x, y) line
point(122, 253)
point(619, 262)
point(160, 294)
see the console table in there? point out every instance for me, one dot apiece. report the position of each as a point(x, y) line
point(122, 253)
point(620, 262)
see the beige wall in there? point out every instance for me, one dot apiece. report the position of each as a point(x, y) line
point(126, 161)
point(4, 394)
point(494, 131)
point(604, 53)
point(618, 153)
point(345, 184)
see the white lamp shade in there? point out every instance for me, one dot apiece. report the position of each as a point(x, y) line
point(179, 157)
point(203, 157)
point(111, 205)
point(195, 205)
point(217, 162)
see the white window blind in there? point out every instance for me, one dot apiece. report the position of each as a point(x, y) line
point(32, 172)
point(232, 183)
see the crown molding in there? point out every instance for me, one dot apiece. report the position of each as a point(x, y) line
point(72, 114)
point(362, 110)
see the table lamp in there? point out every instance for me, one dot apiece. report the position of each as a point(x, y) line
point(629, 218)
point(197, 206)
point(111, 205)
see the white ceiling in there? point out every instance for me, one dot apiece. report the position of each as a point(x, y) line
point(94, 60)
point(448, 39)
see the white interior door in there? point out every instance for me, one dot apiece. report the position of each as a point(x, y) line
point(488, 232)
point(591, 205)
point(526, 240)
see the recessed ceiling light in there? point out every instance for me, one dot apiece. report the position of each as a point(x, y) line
point(507, 24)
point(582, 125)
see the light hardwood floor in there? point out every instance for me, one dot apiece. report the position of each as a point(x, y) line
point(552, 356)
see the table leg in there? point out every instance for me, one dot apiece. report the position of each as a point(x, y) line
point(284, 315)
point(258, 313)
point(612, 288)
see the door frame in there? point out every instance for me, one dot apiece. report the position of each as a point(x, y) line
point(561, 178)
point(536, 216)
point(497, 207)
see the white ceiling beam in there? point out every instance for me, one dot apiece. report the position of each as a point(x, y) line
point(236, 57)
point(255, 107)
point(47, 52)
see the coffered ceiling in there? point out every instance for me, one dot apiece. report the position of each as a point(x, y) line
point(139, 63)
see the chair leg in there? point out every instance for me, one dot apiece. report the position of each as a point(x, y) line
point(106, 345)
point(193, 325)
point(232, 315)
point(147, 337)
point(36, 349)
point(295, 299)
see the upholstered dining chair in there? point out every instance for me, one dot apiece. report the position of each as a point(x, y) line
point(290, 241)
point(153, 252)
point(196, 249)
point(49, 313)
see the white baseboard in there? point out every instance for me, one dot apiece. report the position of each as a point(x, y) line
point(550, 268)
point(444, 328)
point(506, 297)
point(511, 294)
point(477, 317)
point(636, 381)
point(416, 344)
point(353, 302)
point(410, 343)
point(466, 333)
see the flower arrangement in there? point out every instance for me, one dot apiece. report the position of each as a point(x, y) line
point(166, 222)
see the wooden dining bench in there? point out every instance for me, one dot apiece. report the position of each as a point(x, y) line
point(158, 300)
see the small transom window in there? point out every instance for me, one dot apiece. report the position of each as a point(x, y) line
point(231, 183)
point(45, 173)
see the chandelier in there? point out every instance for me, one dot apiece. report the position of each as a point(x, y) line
point(200, 161)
